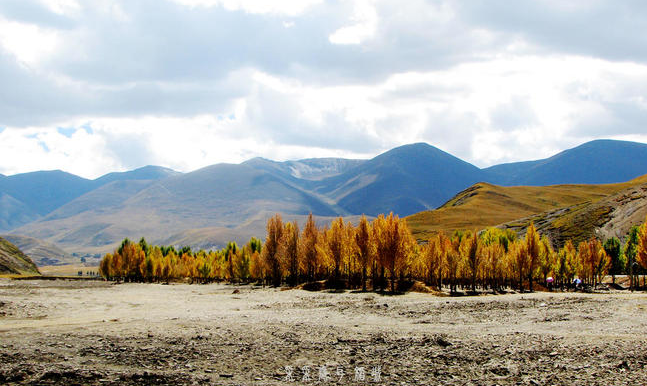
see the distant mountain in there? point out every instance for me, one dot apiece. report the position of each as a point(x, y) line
point(595, 162)
point(223, 195)
point(45, 191)
point(233, 201)
point(13, 261)
point(149, 172)
point(404, 180)
point(28, 196)
point(14, 213)
point(312, 169)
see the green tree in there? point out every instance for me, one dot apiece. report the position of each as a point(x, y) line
point(614, 250)
point(243, 262)
point(630, 249)
point(230, 253)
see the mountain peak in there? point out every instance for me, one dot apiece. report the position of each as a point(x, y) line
point(149, 172)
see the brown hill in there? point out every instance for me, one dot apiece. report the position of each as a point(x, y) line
point(611, 216)
point(14, 262)
point(41, 252)
point(483, 205)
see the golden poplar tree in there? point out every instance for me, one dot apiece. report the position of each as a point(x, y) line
point(641, 250)
point(337, 247)
point(532, 242)
point(518, 261)
point(270, 252)
point(432, 259)
point(309, 257)
point(546, 258)
point(472, 257)
point(289, 251)
point(452, 260)
point(364, 247)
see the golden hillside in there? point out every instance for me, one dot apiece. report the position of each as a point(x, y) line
point(483, 205)
point(611, 216)
point(14, 262)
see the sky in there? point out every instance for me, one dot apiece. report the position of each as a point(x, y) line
point(94, 86)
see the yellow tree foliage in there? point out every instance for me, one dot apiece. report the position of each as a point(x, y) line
point(347, 254)
point(593, 261)
point(432, 258)
point(472, 257)
point(289, 251)
point(270, 251)
point(532, 241)
point(394, 245)
point(493, 265)
point(309, 257)
point(641, 250)
point(337, 247)
point(452, 260)
point(518, 261)
point(365, 247)
point(257, 266)
point(547, 258)
point(567, 264)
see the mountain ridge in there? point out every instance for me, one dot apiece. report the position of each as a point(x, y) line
point(238, 198)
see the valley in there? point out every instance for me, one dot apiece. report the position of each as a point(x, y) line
point(95, 333)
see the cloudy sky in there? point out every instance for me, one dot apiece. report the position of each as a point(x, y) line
point(92, 86)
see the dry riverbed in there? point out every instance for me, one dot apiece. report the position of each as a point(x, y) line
point(78, 333)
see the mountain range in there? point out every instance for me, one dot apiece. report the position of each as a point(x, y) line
point(212, 205)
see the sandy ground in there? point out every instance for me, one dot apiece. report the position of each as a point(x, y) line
point(62, 332)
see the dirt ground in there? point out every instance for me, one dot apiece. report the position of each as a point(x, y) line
point(97, 333)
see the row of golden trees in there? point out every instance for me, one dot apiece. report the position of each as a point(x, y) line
point(141, 262)
point(381, 253)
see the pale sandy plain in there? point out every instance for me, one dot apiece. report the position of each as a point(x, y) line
point(98, 333)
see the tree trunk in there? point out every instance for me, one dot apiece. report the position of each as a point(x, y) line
point(530, 282)
point(364, 278)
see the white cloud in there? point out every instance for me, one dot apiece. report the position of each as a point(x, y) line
point(188, 83)
point(27, 42)
point(363, 25)
point(62, 7)
point(282, 7)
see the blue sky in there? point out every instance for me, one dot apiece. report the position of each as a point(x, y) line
point(97, 86)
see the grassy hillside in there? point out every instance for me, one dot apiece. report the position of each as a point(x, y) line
point(14, 262)
point(610, 216)
point(483, 205)
point(41, 252)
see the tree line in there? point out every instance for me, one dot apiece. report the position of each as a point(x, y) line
point(382, 254)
